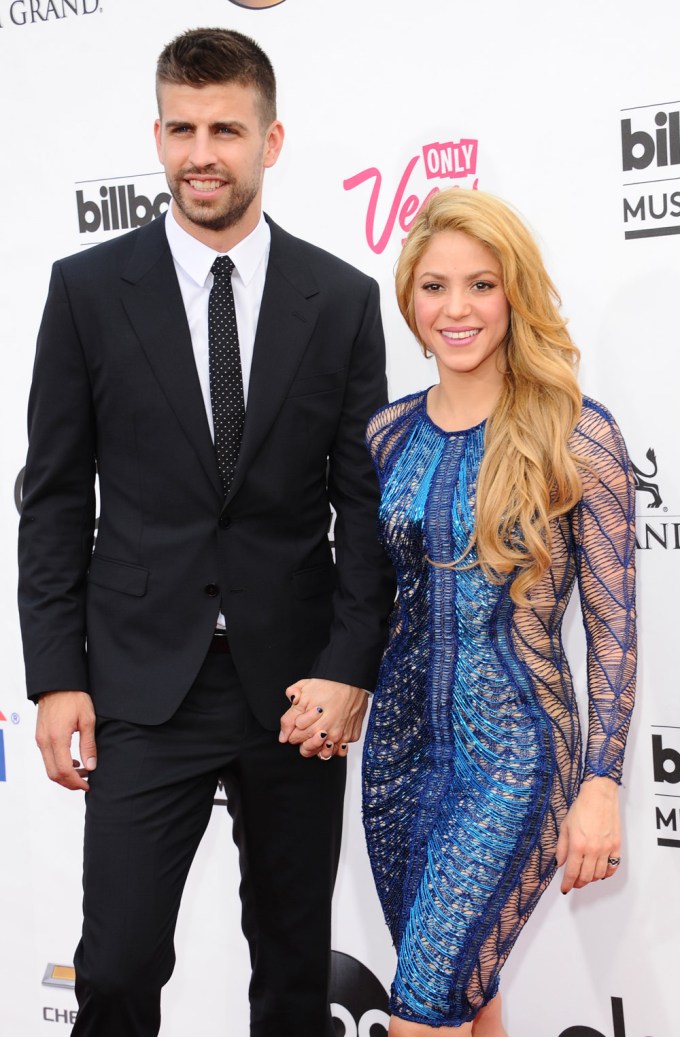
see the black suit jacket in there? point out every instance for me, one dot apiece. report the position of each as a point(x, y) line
point(115, 388)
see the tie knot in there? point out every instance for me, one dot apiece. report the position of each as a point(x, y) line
point(222, 267)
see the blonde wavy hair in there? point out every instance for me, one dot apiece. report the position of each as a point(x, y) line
point(528, 475)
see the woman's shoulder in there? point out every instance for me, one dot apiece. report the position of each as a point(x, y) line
point(387, 426)
point(595, 420)
point(597, 432)
point(396, 412)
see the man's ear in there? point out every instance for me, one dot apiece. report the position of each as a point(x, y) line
point(273, 144)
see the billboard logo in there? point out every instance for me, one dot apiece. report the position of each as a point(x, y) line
point(650, 143)
point(640, 148)
point(618, 1025)
point(116, 205)
point(452, 163)
point(666, 769)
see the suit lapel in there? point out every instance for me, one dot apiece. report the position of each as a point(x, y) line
point(288, 315)
point(153, 302)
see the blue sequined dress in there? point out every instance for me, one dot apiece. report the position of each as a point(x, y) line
point(473, 748)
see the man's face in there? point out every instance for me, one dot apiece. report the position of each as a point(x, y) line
point(214, 149)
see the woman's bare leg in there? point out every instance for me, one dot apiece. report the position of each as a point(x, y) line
point(402, 1028)
point(487, 1023)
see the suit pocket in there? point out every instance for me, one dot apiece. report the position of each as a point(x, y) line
point(308, 583)
point(118, 576)
point(310, 385)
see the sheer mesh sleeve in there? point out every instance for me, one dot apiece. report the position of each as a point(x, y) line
point(603, 524)
point(387, 427)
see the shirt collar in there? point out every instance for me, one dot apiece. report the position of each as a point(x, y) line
point(196, 259)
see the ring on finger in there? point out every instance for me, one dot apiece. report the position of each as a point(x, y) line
point(613, 862)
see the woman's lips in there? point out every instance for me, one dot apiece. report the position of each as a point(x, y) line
point(459, 336)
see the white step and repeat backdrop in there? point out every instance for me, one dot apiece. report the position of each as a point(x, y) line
point(571, 111)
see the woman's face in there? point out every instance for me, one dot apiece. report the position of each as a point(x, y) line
point(461, 312)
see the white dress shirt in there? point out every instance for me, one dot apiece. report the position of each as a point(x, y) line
point(193, 261)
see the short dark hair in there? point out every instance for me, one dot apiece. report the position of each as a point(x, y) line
point(200, 57)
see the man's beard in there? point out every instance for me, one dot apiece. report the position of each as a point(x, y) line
point(205, 214)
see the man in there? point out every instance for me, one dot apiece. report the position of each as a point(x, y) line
point(211, 591)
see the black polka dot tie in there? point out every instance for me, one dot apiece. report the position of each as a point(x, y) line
point(226, 380)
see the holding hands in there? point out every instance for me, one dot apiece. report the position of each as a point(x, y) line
point(324, 717)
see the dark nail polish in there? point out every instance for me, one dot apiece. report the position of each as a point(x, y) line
point(344, 745)
point(319, 709)
point(323, 734)
point(292, 698)
point(329, 745)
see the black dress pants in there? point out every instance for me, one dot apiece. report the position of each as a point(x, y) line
point(149, 802)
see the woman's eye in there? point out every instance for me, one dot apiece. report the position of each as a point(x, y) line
point(432, 286)
point(483, 286)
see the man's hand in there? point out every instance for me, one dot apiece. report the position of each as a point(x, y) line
point(324, 717)
point(590, 836)
point(60, 715)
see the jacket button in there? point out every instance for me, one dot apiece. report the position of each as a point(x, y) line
point(212, 590)
point(224, 522)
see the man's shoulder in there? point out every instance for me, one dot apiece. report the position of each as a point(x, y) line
point(324, 264)
point(117, 252)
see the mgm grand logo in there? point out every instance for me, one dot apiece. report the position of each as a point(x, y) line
point(644, 480)
point(651, 531)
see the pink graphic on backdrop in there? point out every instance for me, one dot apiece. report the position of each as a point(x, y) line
point(440, 161)
point(450, 160)
point(3, 766)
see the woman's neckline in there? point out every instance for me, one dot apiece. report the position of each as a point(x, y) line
point(443, 431)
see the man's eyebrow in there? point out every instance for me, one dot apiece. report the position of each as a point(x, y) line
point(217, 125)
point(232, 124)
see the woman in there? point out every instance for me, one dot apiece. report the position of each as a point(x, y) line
point(501, 485)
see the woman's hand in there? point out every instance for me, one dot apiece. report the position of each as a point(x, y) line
point(590, 836)
point(324, 717)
